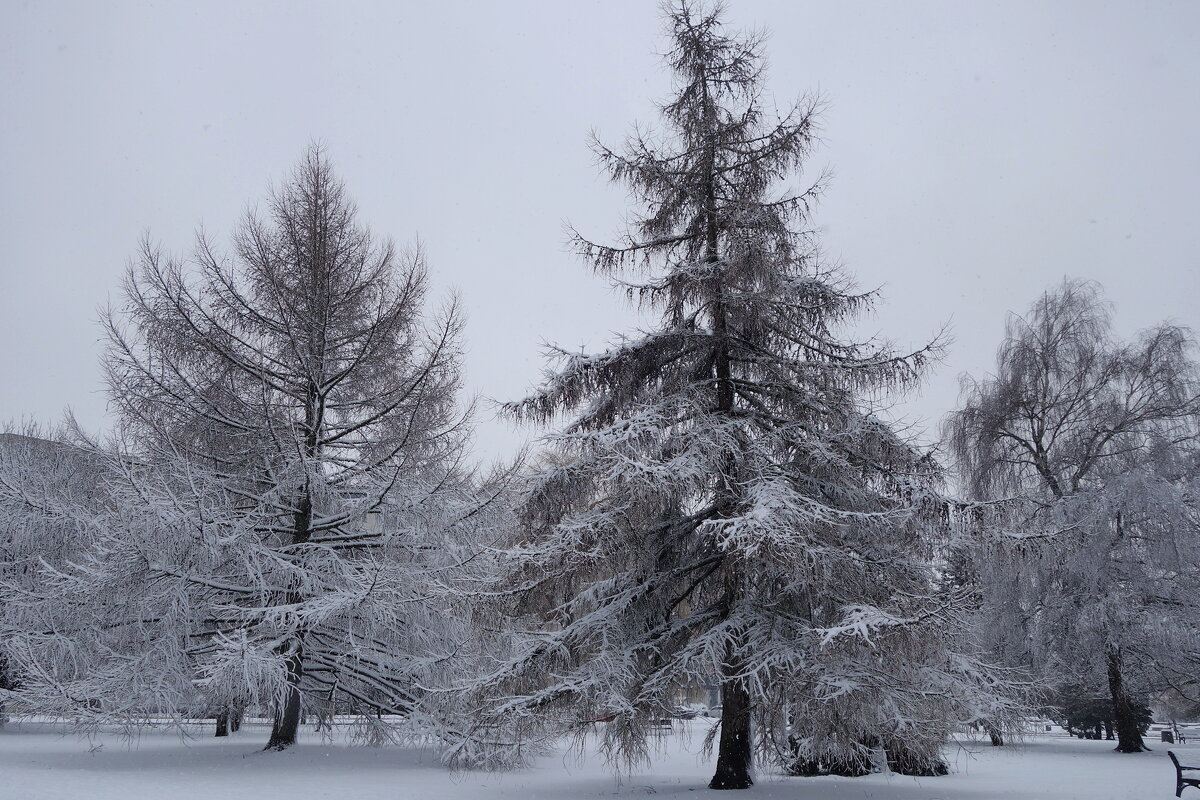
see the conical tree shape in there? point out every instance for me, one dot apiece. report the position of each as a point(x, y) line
point(722, 510)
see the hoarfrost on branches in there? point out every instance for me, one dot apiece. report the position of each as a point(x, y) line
point(721, 507)
point(1084, 449)
point(284, 505)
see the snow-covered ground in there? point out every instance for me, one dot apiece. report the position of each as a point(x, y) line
point(38, 762)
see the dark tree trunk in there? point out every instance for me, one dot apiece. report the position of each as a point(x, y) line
point(994, 734)
point(223, 723)
point(1099, 730)
point(734, 755)
point(1108, 730)
point(1129, 737)
point(235, 719)
point(287, 716)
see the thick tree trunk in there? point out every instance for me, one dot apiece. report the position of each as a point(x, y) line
point(994, 734)
point(235, 719)
point(734, 754)
point(223, 723)
point(287, 715)
point(1129, 738)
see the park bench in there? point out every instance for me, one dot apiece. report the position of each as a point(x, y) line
point(1180, 781)
point(660, 726)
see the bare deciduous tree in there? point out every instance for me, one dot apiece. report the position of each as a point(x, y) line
point(1092, 440)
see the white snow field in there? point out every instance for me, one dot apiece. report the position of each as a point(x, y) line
point(39, 762)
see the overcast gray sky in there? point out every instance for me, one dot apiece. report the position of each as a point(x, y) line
point(981, 151)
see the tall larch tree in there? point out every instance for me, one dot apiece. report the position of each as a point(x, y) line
point(283, 491)
point(722, 507)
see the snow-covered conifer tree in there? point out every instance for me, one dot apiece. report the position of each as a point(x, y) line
point(284, 495)
point(1087, 449)
point(723, 507)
